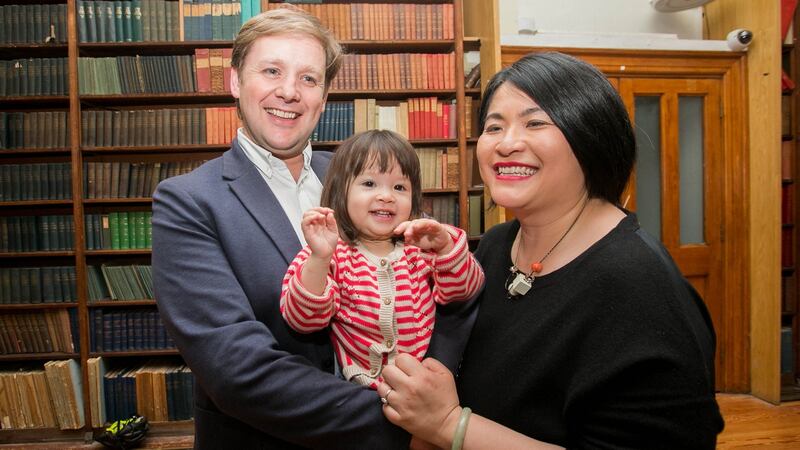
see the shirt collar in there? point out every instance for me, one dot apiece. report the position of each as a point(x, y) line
point(269, 160)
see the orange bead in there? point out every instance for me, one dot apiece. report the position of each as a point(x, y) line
point(536, 267)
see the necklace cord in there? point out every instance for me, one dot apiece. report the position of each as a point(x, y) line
point(522, 240)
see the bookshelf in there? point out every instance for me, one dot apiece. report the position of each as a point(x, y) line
point(84, 158)
point(790, 350)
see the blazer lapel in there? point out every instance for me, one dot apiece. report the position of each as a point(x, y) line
point(258, 199)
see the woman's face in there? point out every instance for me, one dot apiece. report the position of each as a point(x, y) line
point(524, 158)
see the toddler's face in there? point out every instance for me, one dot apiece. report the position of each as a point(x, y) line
point(378, 202)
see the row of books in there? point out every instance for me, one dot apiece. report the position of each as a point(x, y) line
point(208, 70)
point(158, 390)
point(439, 167)
point(136, 75)
point(151, 127)
point(42, 181)
point(416, 118)
point(213, 69)
point(130, 179)
point(207, 20)
point(37, 129)
point(360, 21)
point(134, 329)
point(47, 233)
point(51, 397)
point(33, 76)
point(443, 208)
point(46, 331)
point(128, 21)
point(33, 23)
point(124, 230)
point(396, 71)
point(133, 282)
point(55, 284)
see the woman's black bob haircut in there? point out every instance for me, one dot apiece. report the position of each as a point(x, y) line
point(585, 107)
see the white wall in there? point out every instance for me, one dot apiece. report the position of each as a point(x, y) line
point(600, 16)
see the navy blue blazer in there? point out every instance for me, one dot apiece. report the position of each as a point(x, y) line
point(221, 246)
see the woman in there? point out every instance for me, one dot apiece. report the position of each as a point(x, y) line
point(587, 334)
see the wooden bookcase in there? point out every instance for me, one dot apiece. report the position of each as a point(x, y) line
point(79, 157)
point(790, 133)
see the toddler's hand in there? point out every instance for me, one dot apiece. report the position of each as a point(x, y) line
point(426, 234)
point(320, 230)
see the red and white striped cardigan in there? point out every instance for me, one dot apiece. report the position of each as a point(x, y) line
point(379, 306)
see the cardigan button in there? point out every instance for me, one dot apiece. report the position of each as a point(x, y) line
point(387, 301)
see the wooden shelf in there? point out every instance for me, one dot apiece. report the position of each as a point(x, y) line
point(117, 201)
point(37, 356)
point(415, 142)
point(28, 306)
point(390, 94)
point(160, 149)
point(129, 353)
point(19, 51)
point(35, 152)
point(10, 255)
point(171, 99)
point(120, 303)
point(41, 101)
point(36, 203)
point(131, 252)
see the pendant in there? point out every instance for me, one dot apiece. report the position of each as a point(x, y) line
point(520, 286)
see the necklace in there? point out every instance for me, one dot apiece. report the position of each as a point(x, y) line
point(518, 282)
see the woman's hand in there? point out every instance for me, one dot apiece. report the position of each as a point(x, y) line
point(422, 399)
point(321, 232)
point(426, 234)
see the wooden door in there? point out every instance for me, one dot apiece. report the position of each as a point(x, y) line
point(677, 188)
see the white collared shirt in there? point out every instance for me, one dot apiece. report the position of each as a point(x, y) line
point(295, 197)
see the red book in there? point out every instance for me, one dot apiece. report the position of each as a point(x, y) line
point(202, 69)
point(226, 68)
point(446, 121)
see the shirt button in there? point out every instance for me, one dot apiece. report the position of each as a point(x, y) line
point(387, 301)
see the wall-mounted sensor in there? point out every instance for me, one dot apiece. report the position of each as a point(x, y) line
point(740, 39)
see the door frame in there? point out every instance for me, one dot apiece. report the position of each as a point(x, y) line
point(733, 345)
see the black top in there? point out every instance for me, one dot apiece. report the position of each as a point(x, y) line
point(613, 350)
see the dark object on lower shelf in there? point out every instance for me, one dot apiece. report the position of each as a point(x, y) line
point(124, 434)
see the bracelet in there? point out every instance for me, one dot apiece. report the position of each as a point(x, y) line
point(461, 429)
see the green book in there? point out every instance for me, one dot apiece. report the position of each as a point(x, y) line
point(137, 227)
point(148, 229)
point(127, 22)
point(124, 230)
point(136, 20)
point(119, 27)
point(115, 231)
point(101, 21)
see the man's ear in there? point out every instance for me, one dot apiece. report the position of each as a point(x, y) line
point(234, 83)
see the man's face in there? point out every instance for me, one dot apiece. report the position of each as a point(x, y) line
point(281, 90)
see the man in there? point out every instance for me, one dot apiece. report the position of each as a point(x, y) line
point(223, 237)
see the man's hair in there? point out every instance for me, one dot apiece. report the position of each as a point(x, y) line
point(585, 107)
point(381, 148)
point(288, 20)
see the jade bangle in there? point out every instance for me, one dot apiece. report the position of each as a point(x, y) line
point(461, 429)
